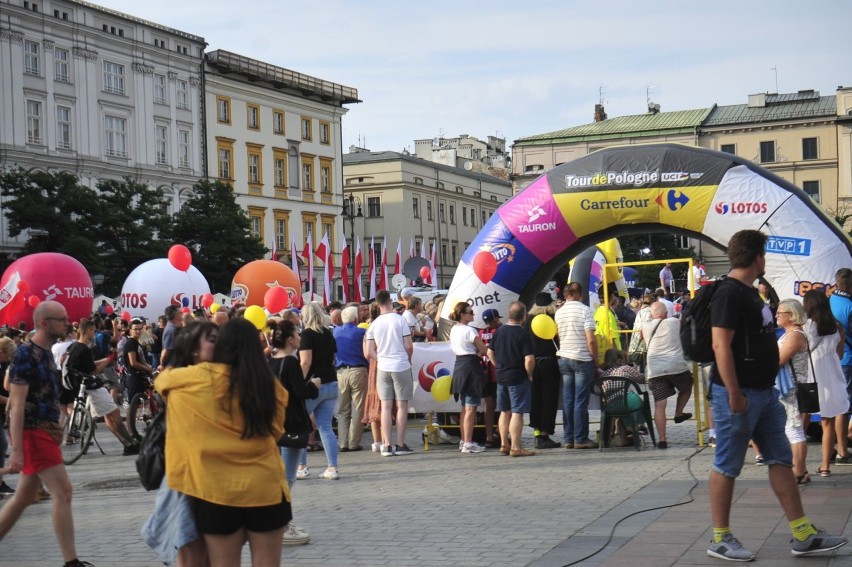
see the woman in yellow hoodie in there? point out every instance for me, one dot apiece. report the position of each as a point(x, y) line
point(223, 420)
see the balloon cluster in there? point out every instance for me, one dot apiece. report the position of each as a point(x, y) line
point(32, 300)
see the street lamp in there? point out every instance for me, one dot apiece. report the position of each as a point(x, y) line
point(352, 211)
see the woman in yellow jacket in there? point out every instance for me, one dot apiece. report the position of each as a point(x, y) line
point(223, 420)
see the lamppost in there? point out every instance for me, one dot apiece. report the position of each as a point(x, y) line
point(352, 211)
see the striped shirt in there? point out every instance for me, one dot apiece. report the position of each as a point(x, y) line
point(572, 321)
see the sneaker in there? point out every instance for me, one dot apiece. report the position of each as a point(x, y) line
point(461, 445)
point(712, 442)
point(5, 488)
point(329, 475)
point(818, 543)
point(472, 448)
point(376, 447)
point(844, 460)
point(758, 460)
point(131, 450)
point(303, 473)
point(387, 451)
point(730, 549)
point(295, 536)
point(587, 444)
point(403, 450)
point(545, 442)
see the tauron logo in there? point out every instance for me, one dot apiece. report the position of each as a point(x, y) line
point(739, 208)
point(672, 200)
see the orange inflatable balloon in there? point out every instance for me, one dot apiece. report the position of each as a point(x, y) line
point(252, 281)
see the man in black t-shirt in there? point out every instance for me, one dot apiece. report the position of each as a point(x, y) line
point(513, 354)
point(745, 405)
point(136, 361)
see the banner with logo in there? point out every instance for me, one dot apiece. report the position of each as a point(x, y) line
point(430, 362)
point(667, 187)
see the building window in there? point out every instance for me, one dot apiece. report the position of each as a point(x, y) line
point(728, 149)
point(183, 147)
point(415, 207)
point(374, 206)
point(441, 217)
point(113, 78)
point(33, 122)
point(444, 254)
point(307, 133)
point(325, 133)
point(812, 189)
point(452, 214)
point(254, 167)
point(484, 217)
point(60, 65)
point(325, 178)
point(162, 136)
point(418, 181)
point(454, 249)
point(281, 243)
point(255, 223)
point(472, 218)
point(767, 152)
point(182, 94)
point(253, 117)
point(280, 164)
point(63, 127)
point(464, 216)
point(307, 176)
point(160, 89)
point(809, 148)
point(225, 153)
point(429, 215)
point(32, 58)
point(278, 121)
point(115, 130)
point(223, 110)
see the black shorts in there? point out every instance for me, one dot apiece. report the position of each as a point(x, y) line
point(490, 390)
point(135, 384)
point(216, 519)
point(67, 396)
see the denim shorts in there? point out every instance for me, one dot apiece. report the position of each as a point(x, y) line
point(515, 398)
point(764, 421)
point(469, 400)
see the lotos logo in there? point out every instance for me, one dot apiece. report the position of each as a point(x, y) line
point(672, 200)
point(738, 208)
point(429, 373)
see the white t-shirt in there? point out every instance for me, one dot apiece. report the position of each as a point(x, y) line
point(412, 321)
point(388, 331)
point(58, 350)
point(665, 354)
point(670, 310)
point(461, 340)
point(572, 321)
point(695, 278)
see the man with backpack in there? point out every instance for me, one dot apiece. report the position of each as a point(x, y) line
point(745, 405)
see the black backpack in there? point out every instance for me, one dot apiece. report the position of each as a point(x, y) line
point(695, 328)
point(151, 462)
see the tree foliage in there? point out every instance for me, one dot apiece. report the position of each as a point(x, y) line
point(662, 247)
point(217, 230)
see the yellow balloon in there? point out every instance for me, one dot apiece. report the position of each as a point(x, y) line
point(214, 307)
point(543, 326)
point(441, 388)
point(256, 315)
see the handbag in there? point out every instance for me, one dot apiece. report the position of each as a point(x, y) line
point(294, 440)
point(151, 461)
point(807, 394)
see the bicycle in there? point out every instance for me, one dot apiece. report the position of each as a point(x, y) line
point(78, 432)
point(143, 407)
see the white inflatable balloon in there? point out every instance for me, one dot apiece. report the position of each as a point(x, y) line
point(156, 284)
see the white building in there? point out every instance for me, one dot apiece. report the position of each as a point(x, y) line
point(467, 152)
point(98, 93)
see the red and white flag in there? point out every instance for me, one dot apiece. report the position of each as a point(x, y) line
point(433, 278)
point(423, 249)
point(274, 255)
point(411, 252)
point(359, 264)
point(323, 252)
point(308, 255)
point(383, 271)
point(371, 271)
point(294, 265)
point(344, 268)
point(397, 262)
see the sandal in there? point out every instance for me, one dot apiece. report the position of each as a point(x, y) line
point(504, 450)
point(314, 447)
point(803, 479)
point(824, 472)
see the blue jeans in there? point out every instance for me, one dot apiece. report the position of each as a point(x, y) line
point(323, 409)
point(764, 421)
point(4, 446)
point(577, 376)
point(291, 458)
point(847, 373)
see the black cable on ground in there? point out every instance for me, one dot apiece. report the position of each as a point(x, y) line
point(612, 531)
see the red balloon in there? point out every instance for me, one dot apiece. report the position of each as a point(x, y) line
point(276, 299)
point(424, 272)
point(185, 310)
point(207, 299)
point(23, 286)
point(109, 310)
point(33, 300)
point(180, 257)
point(126, 315)
point(484, 266)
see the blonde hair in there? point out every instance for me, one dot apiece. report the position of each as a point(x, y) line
point(314, 317)
point(8, 347)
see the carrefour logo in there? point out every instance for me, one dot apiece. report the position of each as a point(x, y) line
point(740, 207)
point(672, 200)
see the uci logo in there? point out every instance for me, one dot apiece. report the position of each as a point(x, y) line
point(672, 200)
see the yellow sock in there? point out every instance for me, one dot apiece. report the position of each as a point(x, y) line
point(719, 533)
point(802, 528)
point(536, 432)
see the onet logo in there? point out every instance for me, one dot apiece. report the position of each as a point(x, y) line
point(672, 200)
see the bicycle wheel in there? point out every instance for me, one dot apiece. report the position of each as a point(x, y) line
point(87, 432)
point(72, 446)
point(138, 415)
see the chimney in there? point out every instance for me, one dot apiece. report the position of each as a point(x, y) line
point(600, 113)
point(653, 108)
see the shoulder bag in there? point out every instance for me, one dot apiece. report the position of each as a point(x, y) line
point(151, 462)
point(806, 392)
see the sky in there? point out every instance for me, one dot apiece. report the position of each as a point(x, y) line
point(519, 68)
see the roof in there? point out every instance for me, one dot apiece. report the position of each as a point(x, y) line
point(376, 157)
point(650, 124)
point(778, 107)
point(185, 35)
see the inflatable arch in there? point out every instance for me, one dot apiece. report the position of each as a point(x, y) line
point(654, 188)
point(588, 267)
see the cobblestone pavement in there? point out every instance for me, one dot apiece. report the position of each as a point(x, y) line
point(444, 508)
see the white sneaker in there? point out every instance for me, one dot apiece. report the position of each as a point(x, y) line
point(376, 447)
point(387, 451)
point(329, 475)
point(472, 448)
point(295, 536)
point(303, 473)
point(461, 445)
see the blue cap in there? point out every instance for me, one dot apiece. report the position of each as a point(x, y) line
point(490, 315)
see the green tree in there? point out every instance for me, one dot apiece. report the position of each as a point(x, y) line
point(662, 246)
point(133, 227)
point(57, 210)
point(217, 230)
